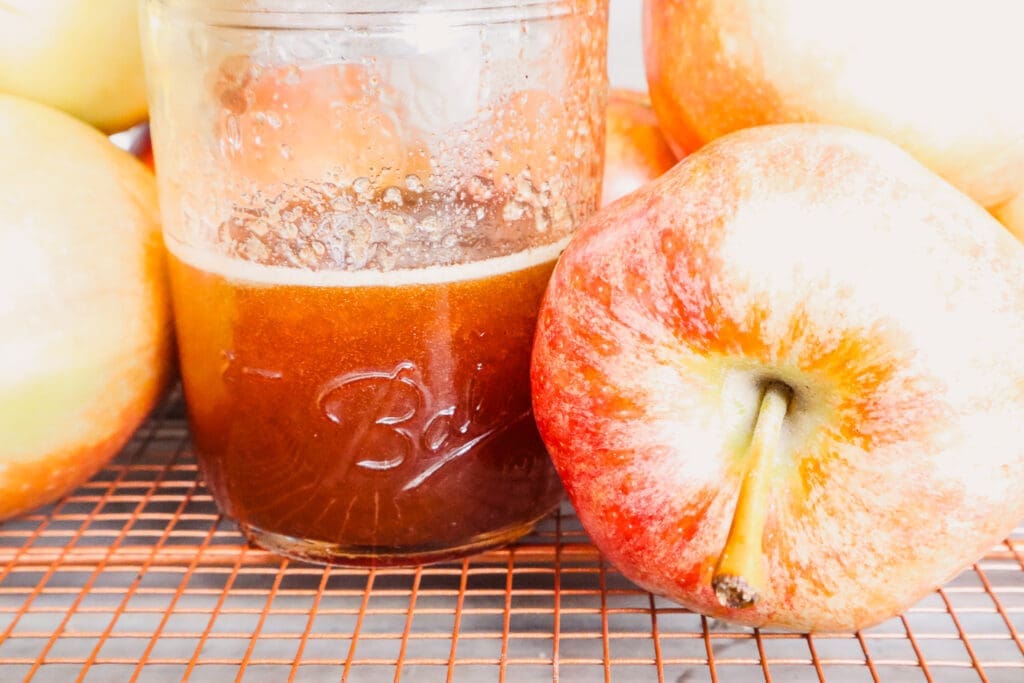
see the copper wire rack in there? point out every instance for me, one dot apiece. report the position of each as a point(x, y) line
point(136, 577)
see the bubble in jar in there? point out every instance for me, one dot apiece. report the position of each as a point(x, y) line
point(513, 211)
point(289, 231)
point(480, 188)
point(398, 224)
point(541, 222)
point(232, 133)
point(413, 183)
point(255, 249)
point(259, 227)
point(431, 224)
point(362, 186)
point(341, 203)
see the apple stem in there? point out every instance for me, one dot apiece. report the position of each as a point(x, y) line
point(739, 579)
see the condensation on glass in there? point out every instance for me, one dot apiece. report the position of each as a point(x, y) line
point(363, 202)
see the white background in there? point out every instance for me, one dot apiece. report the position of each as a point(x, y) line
point(625, 53)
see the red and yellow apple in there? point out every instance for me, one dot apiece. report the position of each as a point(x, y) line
point(783, 383)
point(143, 148)
point(636, 151)
point(86, 342)
point(940, 79)
point(138, 142)
point(81, 56)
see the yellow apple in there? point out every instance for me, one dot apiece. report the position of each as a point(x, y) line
point(81, 56)
point(85, 317)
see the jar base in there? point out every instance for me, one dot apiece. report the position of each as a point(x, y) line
point(320, 552)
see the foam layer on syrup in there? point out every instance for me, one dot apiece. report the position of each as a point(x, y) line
point(258, 274)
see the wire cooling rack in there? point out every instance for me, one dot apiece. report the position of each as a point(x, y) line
point(135, 577)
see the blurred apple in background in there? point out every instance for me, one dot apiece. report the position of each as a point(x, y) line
point(527, 132)
point(86, 343)
point(81, 56)
point(143, 148)
point(940, 79)
point(138, 142)
point(1011, 214)
point(783, 382)
point(635, 148)
point(284, 124)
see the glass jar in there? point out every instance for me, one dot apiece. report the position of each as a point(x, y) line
point(362, 204)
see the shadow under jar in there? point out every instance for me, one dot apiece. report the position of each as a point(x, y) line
point(362, 204)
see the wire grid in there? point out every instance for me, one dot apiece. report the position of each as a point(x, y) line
point(135, 577)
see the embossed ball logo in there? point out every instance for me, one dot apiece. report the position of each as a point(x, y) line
point(390, 418)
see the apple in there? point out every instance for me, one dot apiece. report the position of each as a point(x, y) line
point(1011, 214)
point(636, 151)
point(143, 148)
point(81, 56)
point(782, 383)
point(940, 79)
point(85, 349)
point(138, 142)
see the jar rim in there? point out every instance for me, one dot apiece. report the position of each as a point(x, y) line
point(331, 14)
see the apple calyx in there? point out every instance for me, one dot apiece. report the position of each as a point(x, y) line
point(739, 580)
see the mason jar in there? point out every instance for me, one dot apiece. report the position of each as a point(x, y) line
point(362, 203)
